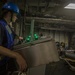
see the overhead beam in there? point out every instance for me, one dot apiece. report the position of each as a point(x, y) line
point(51, 20)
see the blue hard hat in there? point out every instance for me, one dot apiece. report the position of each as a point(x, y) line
point(11, 6)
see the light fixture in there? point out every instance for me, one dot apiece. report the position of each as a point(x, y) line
point(70, 6)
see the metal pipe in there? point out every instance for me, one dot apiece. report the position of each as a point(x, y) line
point(32, 29)
point(49, 20)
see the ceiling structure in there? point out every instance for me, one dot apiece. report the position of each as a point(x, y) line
point(48, 9)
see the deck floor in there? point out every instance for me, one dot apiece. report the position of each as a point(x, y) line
point(59, 68)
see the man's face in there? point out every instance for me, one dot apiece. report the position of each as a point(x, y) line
point(14, 17)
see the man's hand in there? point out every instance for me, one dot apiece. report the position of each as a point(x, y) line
point(20, 38)
point(21, 62)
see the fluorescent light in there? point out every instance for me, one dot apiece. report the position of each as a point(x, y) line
point(70, 6)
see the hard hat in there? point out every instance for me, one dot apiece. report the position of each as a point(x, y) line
point(11, 6)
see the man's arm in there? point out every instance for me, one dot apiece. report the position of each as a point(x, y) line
point(7, 52)
point(19, 59)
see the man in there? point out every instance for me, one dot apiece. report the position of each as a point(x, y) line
point(9, 14)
